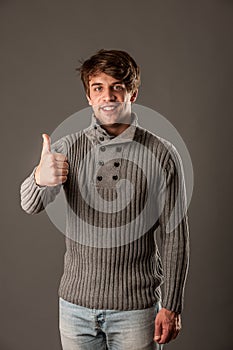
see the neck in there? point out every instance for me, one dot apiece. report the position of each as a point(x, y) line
point(116, 129)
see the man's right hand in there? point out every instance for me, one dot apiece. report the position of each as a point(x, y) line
point(53, 167)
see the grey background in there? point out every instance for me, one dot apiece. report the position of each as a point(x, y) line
point(185, 51)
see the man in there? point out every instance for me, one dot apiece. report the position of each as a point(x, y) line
point(121, 183)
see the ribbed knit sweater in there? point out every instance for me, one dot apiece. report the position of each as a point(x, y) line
point(119, 191)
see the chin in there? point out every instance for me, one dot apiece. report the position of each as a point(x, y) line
point(110, 120)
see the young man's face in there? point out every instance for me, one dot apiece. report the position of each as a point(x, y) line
point(110, 100)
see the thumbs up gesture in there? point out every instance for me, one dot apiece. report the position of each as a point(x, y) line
point(53, 167)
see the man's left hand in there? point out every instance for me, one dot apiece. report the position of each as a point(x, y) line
point(167, 326)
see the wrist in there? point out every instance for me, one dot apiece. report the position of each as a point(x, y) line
point(37, 176)
point(171, 312)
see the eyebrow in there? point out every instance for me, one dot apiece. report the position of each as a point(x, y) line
point(115, 83)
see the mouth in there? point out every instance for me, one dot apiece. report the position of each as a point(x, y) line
point(108, 107)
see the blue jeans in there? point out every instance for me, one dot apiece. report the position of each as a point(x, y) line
point(82, 328)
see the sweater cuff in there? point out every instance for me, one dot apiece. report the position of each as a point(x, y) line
point(32, 194)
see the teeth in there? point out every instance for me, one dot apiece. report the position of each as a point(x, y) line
point(108, 108)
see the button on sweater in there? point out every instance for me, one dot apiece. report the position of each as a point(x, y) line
point(121, 192)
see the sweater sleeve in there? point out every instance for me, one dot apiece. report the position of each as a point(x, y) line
point(35, 198)
point(174, 233)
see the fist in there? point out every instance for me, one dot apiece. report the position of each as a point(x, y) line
point(53, 167)
point(167, 326)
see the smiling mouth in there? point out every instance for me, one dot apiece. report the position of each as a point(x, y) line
point(108, 107)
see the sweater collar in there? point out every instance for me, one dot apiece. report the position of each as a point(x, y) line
point(98, 135)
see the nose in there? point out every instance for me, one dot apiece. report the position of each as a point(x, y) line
point(109, 95)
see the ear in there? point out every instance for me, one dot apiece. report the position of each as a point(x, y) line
point(134, 96)
point(89, 100)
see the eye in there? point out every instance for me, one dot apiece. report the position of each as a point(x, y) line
point(98, 88)
point(118, 87)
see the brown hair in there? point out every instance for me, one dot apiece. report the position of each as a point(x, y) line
point(118, 64)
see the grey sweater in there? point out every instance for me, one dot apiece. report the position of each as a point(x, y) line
point(119, 191)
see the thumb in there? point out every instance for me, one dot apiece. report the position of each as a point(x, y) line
point(46, 144)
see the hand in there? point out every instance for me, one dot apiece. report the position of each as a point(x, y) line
point(53, 167)
point(167, 326)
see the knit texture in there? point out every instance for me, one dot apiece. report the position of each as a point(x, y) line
point(112, 260)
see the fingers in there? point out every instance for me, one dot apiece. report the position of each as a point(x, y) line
point(167, 326)
point(60, 157)
point(57, 181)
point(62, 165)
point(53, 168)
point(166, 335)
point(60, 161)
point(177, 327)
point(57, 176)
point(158, 329)
point(61, 172)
